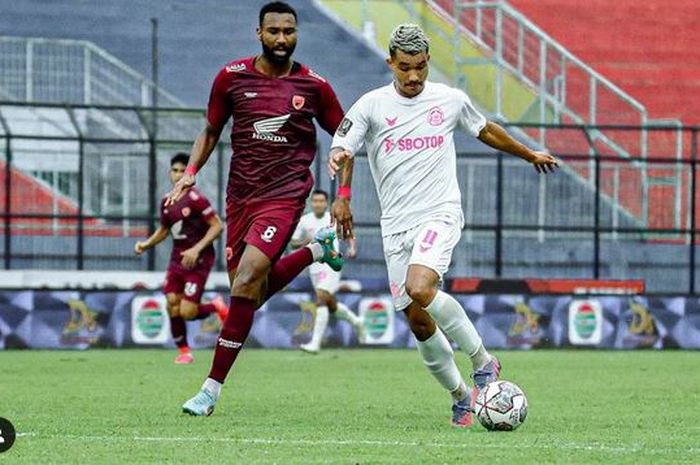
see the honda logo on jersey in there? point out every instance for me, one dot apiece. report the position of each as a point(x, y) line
point(298, 102)
point(265, 129)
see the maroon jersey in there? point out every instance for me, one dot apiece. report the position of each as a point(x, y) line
point(187, 221)
point(273, 136)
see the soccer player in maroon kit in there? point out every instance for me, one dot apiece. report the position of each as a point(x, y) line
point(194, 225)
point(273, 101)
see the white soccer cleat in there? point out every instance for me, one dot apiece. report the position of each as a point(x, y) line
point(309, 349)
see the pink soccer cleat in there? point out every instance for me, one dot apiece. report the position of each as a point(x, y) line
point(221, 307)
point(184, 358)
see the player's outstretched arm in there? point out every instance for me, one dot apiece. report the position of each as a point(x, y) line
point(190, 256)
point(203, 147)
point(341, 160)
point(495, 136)
point(156, 238)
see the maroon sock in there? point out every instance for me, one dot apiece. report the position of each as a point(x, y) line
point(286, 269)
point(178, 328)
point(204, 310)
point(232, 336)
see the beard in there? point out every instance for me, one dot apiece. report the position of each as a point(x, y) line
point(272, 57)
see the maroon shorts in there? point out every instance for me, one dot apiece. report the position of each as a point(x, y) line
point(189, 283)
point(268, 225)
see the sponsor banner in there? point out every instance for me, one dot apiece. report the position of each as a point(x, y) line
point(150, 322)
point(46, 319)
point(378, 318)
point(585, 322)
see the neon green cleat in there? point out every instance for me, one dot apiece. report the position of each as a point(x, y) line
point(331, 256)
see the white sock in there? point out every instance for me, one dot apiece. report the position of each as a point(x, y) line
point(440, 362)
point(453, 320)
point(344, 313)
point(316, 250)
point(320, 325)
point(213, 387)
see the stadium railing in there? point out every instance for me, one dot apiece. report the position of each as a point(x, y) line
point(584, 221)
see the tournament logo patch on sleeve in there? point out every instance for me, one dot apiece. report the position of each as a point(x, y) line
point(344, 127)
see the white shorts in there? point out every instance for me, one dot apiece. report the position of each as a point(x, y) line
point(429, 244)
point(324, 278)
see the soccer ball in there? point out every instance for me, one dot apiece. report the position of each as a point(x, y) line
point(501, 406)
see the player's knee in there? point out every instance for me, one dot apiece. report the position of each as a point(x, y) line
point(420, 292)
point(173, 305)
point(188, 310)
point(325, 298)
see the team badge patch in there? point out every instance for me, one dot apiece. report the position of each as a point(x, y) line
point(186, 212)
point(435, 116)
point(344, 127)
point(298, 102)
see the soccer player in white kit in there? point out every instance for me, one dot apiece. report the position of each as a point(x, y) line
point(324, 280)
point(407, 130)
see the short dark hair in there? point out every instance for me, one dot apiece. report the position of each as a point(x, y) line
point(276, 7)
point(180, 157)
point(320, 192)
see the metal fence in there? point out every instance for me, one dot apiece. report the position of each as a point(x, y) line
point(82, 183)
point(71, 71)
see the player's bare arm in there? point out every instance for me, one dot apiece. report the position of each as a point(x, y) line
point(495, 136)
point(351, 252)
point(341, 160)
point(156, 238)
point(190, 256)
point(201, 150)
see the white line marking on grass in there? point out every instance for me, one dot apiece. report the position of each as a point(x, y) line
point(591, 447)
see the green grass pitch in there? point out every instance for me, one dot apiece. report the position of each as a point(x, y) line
point(345, 407)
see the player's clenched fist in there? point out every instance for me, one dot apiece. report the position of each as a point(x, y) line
point(139, 247)
point(336, 160)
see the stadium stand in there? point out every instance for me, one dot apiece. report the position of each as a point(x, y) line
point(197, 38)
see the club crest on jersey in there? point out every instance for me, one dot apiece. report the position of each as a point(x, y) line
point(435, 116)
point(298, 102)
point(391, 121)
point(186, 212)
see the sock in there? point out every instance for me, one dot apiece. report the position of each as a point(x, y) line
point(344, 313)
point(178, 328)
point(453, 320)
point(287, 268)
point(320, 325)
point(440, 362)
point(232, 336)
point(204, 310)
point(213, 387)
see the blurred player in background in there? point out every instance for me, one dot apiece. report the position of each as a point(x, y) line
point(324, 279)
point(194, 225)
point(273, 101)
point(407, 128)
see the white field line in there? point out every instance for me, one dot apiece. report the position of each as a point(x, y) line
point(593, 447)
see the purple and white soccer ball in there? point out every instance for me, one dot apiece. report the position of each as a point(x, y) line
point(501, 406)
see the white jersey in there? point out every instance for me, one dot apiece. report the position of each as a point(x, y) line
point(307, 227)
point(410, 145)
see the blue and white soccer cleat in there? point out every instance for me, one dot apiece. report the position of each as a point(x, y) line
point(201, 405)
point(331, 256)
point(488, 374)
point(462, 413)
